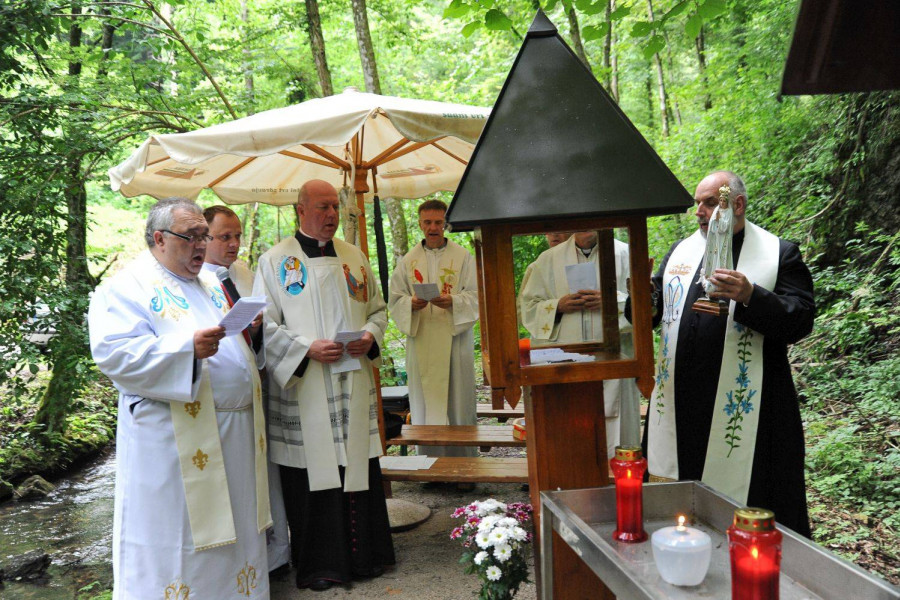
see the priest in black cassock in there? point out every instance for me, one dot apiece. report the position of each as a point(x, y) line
point(325, 324)
point(724, 409)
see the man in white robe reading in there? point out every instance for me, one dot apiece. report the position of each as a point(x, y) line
point(226, 231)
point(554, 315)
point(323, 423)
point(191, 502)
point(440, 346)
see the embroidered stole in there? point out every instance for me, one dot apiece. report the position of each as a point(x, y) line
point(327, 292)
point(732, 437)
point(196, 427)
point(433, 341)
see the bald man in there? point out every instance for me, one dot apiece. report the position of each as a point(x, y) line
point(724, 409)
point(322, 414)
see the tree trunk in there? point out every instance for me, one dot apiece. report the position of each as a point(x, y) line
point(660, 84)
point(674, 99)
point(317, 43)
point(399, 233)
point(366, 52)
point(251, 235)
point(575, 32)
point(106, 42)
point(700, 44)
point(612, 56)
point(248, 72)
point(64, 380)
point(392, 206)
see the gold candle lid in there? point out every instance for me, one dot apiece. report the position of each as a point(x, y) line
point(628, 453)
point(754, 519)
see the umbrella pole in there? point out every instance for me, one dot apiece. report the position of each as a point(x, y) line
point(380, 246)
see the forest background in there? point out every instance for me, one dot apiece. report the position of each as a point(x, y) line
point(83, 83)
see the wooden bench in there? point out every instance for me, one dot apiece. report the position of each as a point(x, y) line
point(484, 436)
point(485, 469)
point(501, 414)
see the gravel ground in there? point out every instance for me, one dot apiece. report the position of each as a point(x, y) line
point(427, 559)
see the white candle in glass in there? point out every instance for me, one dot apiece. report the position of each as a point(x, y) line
point(681, 554)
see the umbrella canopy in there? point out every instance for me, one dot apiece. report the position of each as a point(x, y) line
point(414, 147)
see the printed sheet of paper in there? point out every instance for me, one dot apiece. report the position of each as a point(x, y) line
point(426, 291)
point(582, 276)
point(242, 314)
point(407, 463)
point(346, 362)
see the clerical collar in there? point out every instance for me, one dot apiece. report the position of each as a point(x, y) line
point(441, 247)
point(586, 251)
point(313, 248)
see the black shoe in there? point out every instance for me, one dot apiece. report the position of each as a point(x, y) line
point(320, 585)
point(280, 571)
point(368, 573)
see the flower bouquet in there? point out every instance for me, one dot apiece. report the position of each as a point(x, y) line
point(495, 545)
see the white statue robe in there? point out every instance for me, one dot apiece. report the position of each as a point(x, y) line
point(277, 540)
point(541, 290)
point(154, 554)
point(718, 253)
point(320, 421)
point(440, 355)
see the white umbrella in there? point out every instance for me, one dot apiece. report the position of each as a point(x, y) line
point(412, 147)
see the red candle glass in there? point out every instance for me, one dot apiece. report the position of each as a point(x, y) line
point(628, 468)
point(524, 352)
point(755, 548)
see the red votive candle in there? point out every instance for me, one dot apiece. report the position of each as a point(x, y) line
point(755, 548)
point(628, 468)
point(524, 352)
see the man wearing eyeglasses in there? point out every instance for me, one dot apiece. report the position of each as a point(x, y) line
point(191, 504)
point(222, 251)
point(226, 231)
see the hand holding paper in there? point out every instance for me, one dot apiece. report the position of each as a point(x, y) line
point(242, 314)
point(426, 291)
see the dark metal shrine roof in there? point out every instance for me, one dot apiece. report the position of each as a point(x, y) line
point(556, 145)
point(844, 46)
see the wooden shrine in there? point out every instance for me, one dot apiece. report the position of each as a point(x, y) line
point(558, 155)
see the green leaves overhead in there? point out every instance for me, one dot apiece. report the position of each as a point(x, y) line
point(595, 32)
point(656, 43)
point(495, 20)
point(711, 9)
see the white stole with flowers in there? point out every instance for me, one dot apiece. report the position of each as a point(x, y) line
point(732, 436)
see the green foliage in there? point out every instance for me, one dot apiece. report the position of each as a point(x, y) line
point(26, 448)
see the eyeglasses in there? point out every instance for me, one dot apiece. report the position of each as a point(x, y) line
point(194, 239)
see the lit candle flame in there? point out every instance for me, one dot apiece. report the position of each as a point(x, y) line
point(680, 523)
point(628, 473)
point(754, 552)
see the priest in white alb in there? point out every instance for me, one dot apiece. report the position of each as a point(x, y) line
point(323, 422)
point(440, 346)
point(191, 502)
point(555, 315)
point(226, 231)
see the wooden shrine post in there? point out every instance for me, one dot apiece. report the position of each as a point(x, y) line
point(564, 409)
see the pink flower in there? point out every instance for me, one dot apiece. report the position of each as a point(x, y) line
point(456, 533)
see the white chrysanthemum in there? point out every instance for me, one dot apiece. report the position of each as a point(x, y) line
point(503, 552)
point(490, 505)
point(480, 557)
point(483, 539)
point(507, 522)
point(494, 573)
point(499, 535)
point(518, 534)
point(488, 523)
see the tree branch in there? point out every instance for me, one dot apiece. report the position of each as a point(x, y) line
point(123, 19)
point(180, 39)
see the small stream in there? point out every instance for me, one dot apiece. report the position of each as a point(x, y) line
point(73, 525)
